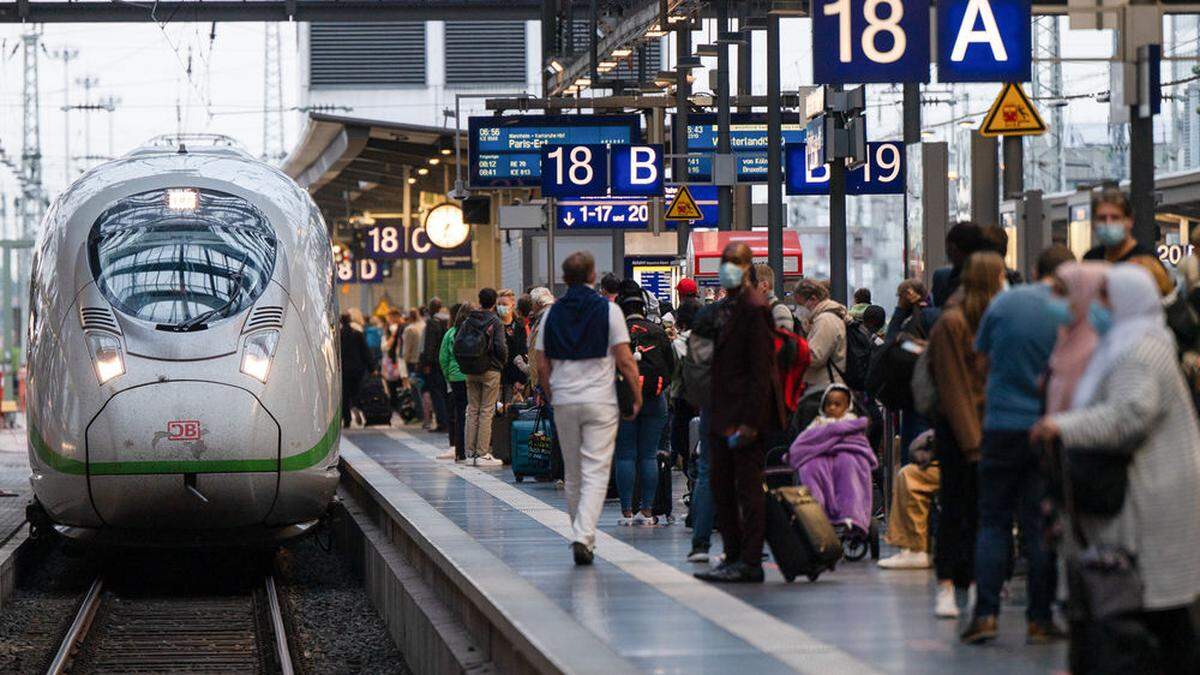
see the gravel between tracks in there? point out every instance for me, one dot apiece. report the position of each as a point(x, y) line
point(333, 623)
point(41, 608)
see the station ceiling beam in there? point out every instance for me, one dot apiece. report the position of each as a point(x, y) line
point(101, 11)
point(558, 103)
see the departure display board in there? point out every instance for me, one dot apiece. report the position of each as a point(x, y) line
point(747, 141)
point(505, 151)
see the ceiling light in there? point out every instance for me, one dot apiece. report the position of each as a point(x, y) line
point(655, 31)
point(434, 161)
point(555, 66)
point(447, 151)
point(583, 82)
point(412, 181)
point(621, 53)
point(967, 124)
point(423, 171)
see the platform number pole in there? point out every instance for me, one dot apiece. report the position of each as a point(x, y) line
point(683, 91)
point(551, 223)
point(775, 215)
point(838, 260)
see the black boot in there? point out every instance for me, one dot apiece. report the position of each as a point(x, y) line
point(736, 572)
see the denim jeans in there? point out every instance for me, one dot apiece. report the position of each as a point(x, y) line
point(1010, 483)
point(702, 497)
point(637, 447)
point(458, 427)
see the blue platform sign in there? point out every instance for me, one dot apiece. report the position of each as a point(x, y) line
point(859, 41)
point(882, 174)
point(362, 271)
point(630, 213)
point(506, 151)
point(574, 170)
point(747, 139)
point(636, 170)
point(984, 41)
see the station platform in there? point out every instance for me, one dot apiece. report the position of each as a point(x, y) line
point(641, 600)
point(14, 481)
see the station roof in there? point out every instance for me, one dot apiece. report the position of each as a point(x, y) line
point(348, 162)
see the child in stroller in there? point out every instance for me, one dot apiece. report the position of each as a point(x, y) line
point(834, 459)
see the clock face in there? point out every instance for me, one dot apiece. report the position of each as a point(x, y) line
point(445, 227)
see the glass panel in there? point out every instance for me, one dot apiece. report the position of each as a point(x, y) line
point(182, 268)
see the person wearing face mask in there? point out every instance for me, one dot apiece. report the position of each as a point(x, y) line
point(512, 377)
point(1079, 284)
point(780, 314)
point(825, 328)
point(1126, 404)
point(1017, 335)
point(1112, 228)
point(746, 408)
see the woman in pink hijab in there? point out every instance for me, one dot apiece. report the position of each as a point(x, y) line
point(1081, 282)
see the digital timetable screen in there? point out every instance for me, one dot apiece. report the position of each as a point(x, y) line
point(747, 140)
point(506, 151)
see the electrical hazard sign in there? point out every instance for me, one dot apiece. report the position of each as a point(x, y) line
point(1012, 114)
point(684, 206)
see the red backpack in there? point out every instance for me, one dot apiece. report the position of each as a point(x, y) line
point(792, 357)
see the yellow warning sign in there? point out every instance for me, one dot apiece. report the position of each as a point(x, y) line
point(684, 206)
point(382, 307)
point(1012, 114)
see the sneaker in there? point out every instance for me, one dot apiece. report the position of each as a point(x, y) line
point(906, 559)
point(583, 554)
point(449, 454)
point(982, 629)
point(642, 520)
point(486, 460)
point(971, 599)
point(625, 521)
point(698, 555)
point(560, 485)
point(1043, 633)
point(946, 606)
point(738, 572)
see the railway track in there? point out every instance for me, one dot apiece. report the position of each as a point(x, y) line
point(128, 632)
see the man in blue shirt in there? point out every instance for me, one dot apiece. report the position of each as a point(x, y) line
point(1017, 334)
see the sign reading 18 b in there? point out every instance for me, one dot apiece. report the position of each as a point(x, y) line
point(870, 41)
point(598, 170)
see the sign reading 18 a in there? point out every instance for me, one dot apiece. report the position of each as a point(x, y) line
point(870, 41)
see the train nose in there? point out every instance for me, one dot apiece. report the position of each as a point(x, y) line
point(184, 455)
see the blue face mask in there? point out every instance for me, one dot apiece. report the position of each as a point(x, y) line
point(1110, 234)
point(1059, 311)
point(731, 276)
point(1101, 318)
point(502, 310)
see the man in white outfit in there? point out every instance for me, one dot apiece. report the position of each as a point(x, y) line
point(581, 343)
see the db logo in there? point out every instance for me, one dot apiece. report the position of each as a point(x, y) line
point(183, 430)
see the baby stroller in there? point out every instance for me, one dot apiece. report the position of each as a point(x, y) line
point(778, 473)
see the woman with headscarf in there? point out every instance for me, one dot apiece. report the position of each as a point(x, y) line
point(1080, 282)
point(1128, 402)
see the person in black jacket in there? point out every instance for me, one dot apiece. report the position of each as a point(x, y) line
point(483, 379)
point(516, 338)
point(357, 362)
point(435, 384)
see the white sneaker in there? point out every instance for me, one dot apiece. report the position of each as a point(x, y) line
point(971, 599)
point(946, 606)
point(906, 559)
point(486, 460)
point(449, 454)
point(641, 520)
point(625, 521)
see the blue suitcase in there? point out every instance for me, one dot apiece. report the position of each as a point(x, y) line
point(531, 442)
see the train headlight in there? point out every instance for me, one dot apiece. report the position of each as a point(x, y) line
point(106, 355)
point(257, 353)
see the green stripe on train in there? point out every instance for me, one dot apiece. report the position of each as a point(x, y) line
point(75, 467)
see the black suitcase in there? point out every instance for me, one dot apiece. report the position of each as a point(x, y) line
point(502, 428)
point(663, 490)
point(802, 540)
point(374, 401)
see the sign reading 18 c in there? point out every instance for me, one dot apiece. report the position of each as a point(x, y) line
point(870, 41)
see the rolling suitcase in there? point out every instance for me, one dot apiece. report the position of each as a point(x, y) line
point(531, 444)
point(802, 540)
point(502, 428)
point(374, 402)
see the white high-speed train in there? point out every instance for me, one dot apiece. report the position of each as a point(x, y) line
point(183, 372)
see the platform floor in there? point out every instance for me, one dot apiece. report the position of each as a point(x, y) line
point(641, 599)
point(14, 481)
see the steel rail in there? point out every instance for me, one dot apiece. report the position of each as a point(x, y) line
point(277, 627)
point(78, 630)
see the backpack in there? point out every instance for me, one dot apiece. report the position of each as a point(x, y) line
point(924, 389)
point(696, 367)
point(895, 364)
point(473, 344)
point(654, 354)
point(792, 358)
point(859, 346)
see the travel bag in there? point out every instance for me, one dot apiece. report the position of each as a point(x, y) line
point(802, 540)
point(374, 401)
point(502, 427)
point(531, 446)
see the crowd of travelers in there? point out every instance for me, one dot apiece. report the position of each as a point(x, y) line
point(1047, 429)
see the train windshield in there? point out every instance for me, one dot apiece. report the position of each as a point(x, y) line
point(182, 258)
